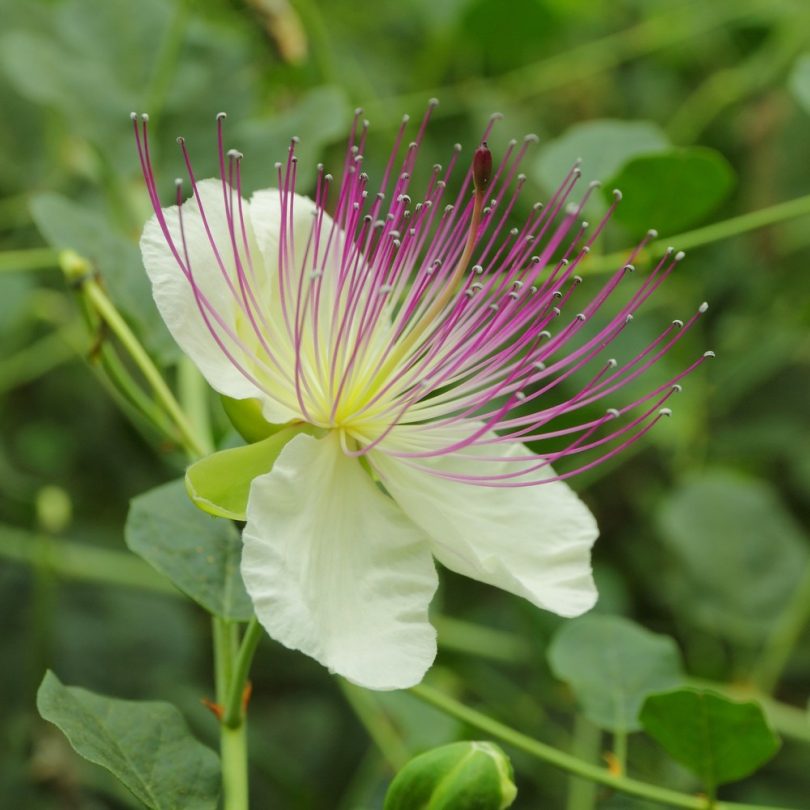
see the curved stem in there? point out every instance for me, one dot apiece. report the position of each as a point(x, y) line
point(567, 762)
point(232, 740)
point(716, 232)
point(377, 724)
point(195, 445)
point(234, 711)
point(30, 259)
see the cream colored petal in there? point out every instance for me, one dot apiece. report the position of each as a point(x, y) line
point(265, 215)
point(531, 541)
point(336, 570)
point(178, 305)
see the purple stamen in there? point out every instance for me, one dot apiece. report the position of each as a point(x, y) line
point(406, 312)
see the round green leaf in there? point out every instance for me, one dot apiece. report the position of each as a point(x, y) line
point(604, 146)
point(145, 745)
point(612, 665)
point(720, 740)
point(739, 554)
point(671, 191)
point(200, 554)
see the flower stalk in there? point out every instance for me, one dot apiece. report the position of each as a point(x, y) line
point(92, 290)
point(568, 762)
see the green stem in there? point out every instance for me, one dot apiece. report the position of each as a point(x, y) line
point(234, 710)
point(193, 395)
point(377, 724)
point(233, 755)
point(568, 762)
point(784, 636)
point(232, 740)
point(585, 745)
point(620, 750)
point(30, 259)
point(83, 562)
point(194, 444)
point(716, 232)
point(483, 642)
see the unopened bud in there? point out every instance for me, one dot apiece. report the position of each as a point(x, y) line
point(482, 168)
point(459, 776)
point(75, 267)
point(54, 509)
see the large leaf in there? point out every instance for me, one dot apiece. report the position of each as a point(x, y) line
point(146, 745)
point(200, 554)
point(612, 665)
point(718, 739)
point(604, 147)
point(673, 190)
point(739, 553)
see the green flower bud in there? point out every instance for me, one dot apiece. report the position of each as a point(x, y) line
point(75, 267)
point(459, 776)
point(54, 509)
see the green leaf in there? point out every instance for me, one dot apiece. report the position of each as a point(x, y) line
point(718, 739)
point(220, 483)
point(66, 225)
point(612, 665)
point(739, 554)
point(800, 81)
point(146, 745)
point(198, 553)
point(671, 191)
point(604, 147)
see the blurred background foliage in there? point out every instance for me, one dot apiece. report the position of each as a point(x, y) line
point(700, 111)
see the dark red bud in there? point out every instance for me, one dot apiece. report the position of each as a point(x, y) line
point(482, 168)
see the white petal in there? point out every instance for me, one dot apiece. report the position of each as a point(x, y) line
point(532, 541)
point(265, 215)
point(177, 303)
point(336, 570)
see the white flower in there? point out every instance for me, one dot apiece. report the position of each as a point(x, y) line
point(401, 343)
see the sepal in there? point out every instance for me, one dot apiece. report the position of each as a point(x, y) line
point(220, 483)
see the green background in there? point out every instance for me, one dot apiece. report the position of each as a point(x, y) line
point(699, 110)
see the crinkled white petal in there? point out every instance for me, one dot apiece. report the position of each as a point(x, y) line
point(178, 305)
point(336, 570)
point(532, 541)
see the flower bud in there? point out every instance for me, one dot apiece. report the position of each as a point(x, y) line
point(75, 267)
point(459, 776)
point(54, 509)
point(482, 168)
